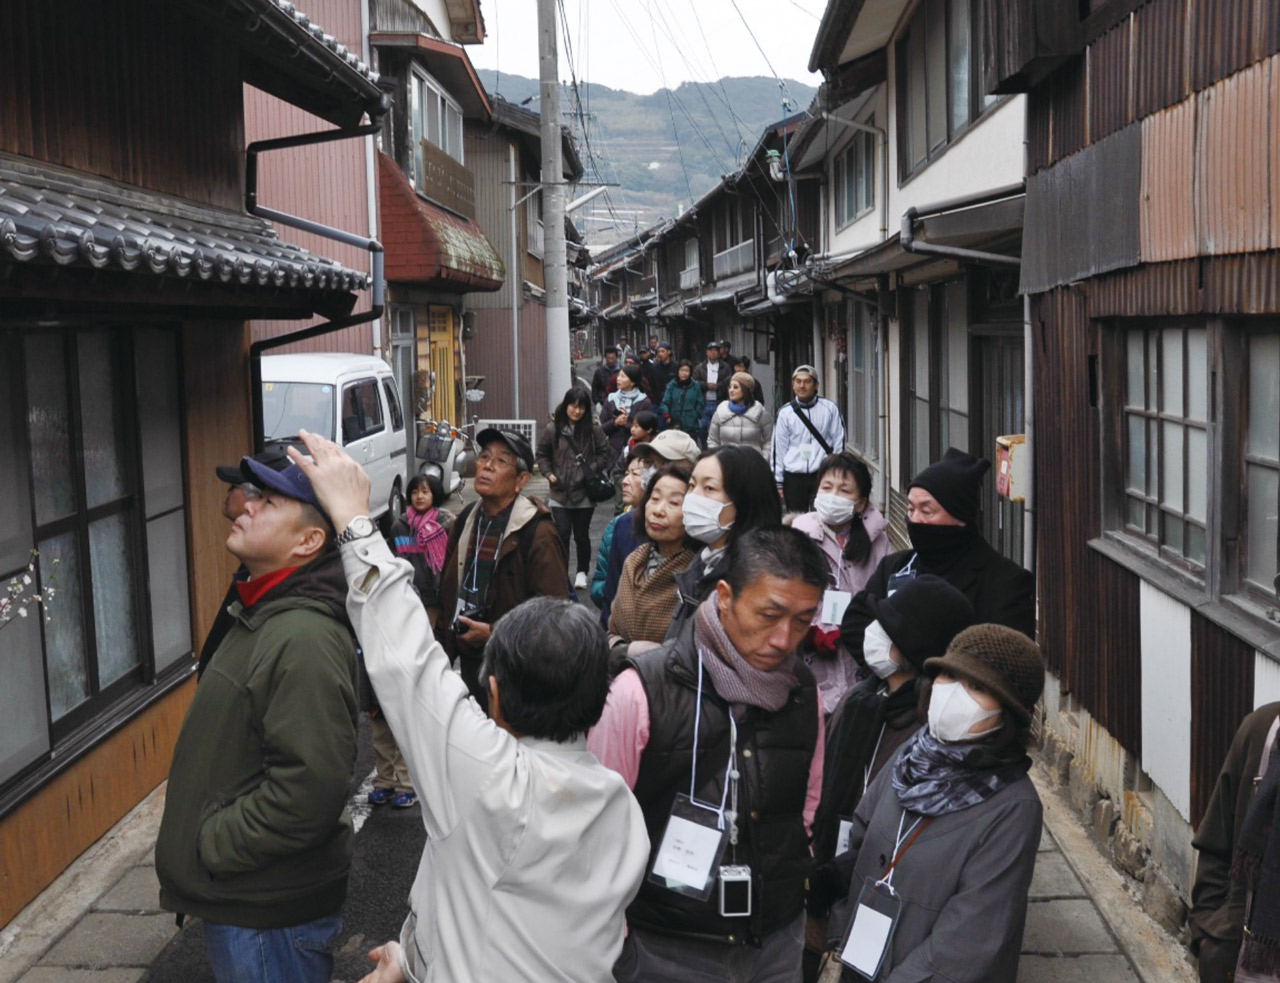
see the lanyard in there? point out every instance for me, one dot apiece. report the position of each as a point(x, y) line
point(866, 771)
point(480, 537)
point(903, 844)
point(731, 770)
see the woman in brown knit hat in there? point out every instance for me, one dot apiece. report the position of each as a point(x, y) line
point(944, 841)
point(647, 594)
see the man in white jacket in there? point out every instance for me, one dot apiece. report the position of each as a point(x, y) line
point(805, 431)
point(534, 849)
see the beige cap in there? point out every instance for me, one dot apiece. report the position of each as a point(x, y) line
point(670, 445)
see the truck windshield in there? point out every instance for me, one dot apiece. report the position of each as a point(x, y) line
point(288, 407)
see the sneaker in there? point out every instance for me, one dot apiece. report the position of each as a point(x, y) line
point(379, 796)
point(580, 581)
point(403, 800)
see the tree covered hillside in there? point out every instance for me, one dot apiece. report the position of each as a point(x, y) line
point(666, 149)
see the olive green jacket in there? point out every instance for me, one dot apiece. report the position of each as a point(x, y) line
point(255, 830)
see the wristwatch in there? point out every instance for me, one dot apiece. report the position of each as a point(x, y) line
point(359, 527)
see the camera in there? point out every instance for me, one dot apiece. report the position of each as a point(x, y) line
point(735, 892)
point(474, 614)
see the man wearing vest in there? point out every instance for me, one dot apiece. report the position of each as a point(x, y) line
point(805, 431)
point(719, 734)
point(503, 550)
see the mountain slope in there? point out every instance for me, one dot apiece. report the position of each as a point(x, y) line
point(665, 149)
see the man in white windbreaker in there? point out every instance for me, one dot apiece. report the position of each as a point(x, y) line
point(805, 430)
point(534, 849)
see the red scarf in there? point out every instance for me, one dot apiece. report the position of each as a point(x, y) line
point(251, 591)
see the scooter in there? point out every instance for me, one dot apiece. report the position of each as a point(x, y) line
point(447, 452)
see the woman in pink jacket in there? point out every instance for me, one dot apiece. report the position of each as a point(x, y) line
point(852, 535)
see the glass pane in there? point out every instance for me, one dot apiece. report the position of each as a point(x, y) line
point(1138, 513)
point(159, 418)
point(1133, 395)
point(868, 171)
point(1136, 474)
point(1171, 475)
point(1153, 520)
point(1197, 473)
point(49, 427)
point(1198, 375)
point(918, 143)
point(25, 734)
point(1171, 371)
point(1264, 503)
point(1264, 396)
point(859, 355)
point(433, 117)
point(1173, 528)
point(1153, 459)
point(920, 435)
point(105, 474)
point(64, 632)
point(958, 342)
point(1153, 370)
point(958, 432)
point(15, 504)
point(935, 43)
point(961, 59)
point(167, 573)
point(920, 353)
point(1195, 544)
point(114, 610)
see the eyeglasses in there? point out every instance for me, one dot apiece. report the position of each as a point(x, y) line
point(250, 491)
point(496, 461)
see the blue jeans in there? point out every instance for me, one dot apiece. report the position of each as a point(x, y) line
point(298, 954)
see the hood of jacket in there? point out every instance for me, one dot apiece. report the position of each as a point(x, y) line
point(320, 583)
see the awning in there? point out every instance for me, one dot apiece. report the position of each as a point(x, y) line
point(713, 296)
point(53, 216)
point(430, 246)
point(449, 64)
point(672, 308)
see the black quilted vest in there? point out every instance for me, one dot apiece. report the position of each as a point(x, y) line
point(775, 751)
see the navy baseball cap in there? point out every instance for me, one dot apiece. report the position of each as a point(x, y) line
point(273, 457)
point(289, 481)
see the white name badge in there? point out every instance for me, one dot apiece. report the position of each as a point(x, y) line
point(689, 856)
point(870, 934)
point(843, 837)
point(834, 605)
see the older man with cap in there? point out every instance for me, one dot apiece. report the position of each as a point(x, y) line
point(619, 537)
point(805, 431)
point(255, 839)
point(942, 516)
point(707, 375)
point(662, 368)
point(502, 551)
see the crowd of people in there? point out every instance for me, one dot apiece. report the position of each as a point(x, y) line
point(774, 749)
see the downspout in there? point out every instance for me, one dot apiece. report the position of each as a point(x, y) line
point(370, 167)
point(316, 228)
point(912, 245)
point(515, 283)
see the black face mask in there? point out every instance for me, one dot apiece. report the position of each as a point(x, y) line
point(940, 544)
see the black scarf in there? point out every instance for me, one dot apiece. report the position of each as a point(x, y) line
point(939, 547)
point(934, 778)
point(1257, 868)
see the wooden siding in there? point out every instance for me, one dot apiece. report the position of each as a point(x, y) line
point(73, 92)
point(1097, 657)
point(1222, 670)
point(42, 836)
point(326, 183)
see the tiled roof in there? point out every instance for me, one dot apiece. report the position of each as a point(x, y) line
point(52, 215)
point(328, 40)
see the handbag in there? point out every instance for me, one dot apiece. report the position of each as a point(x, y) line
point(598, 487)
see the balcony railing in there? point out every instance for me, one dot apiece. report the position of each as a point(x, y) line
point(735, 259)
point(689, 278)
point(446, 182)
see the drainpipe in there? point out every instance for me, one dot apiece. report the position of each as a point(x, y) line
point(515, 283)
point(370, 170)
point(913, 245)
point(337, 235)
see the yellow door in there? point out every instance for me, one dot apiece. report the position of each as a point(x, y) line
point(435, 357)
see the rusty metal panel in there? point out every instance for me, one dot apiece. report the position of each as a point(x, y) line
point(1147, 291)
point(1168, 178)
point(1248, 284)
point(1222, 669)
point(1232, 181)
point(1160, 63)
point(1109, 102)
point(1274, 147)
point(1221, 39)
point(1082, 215)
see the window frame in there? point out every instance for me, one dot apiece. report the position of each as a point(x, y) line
point(979, 103)
point(859, 151)
point(422, 84)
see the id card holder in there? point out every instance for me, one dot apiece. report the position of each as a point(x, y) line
point(902, 578)
point(843, 837)
point(834, 605)
point(688, 857)
point(870, 933)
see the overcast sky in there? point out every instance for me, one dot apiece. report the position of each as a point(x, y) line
point(642, 45)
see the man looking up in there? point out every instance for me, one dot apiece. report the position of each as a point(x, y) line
point(502, 551)
point(805, 431)
point(719, 734)
point(255, 839)
point(534, 848)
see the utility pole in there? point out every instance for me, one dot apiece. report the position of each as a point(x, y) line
point(554, 262)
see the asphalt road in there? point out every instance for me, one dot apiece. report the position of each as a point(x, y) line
point(389, 842)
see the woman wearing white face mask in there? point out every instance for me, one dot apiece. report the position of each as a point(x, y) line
point(946, 836)
point(730, 494)
point(853, 536)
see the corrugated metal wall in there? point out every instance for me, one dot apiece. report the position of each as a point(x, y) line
point(1109, 96)
point(1160, 35)
point(326, 182)
point(1222, 674)
point(487, 157)
point(489, 354)
point(1232, 208)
